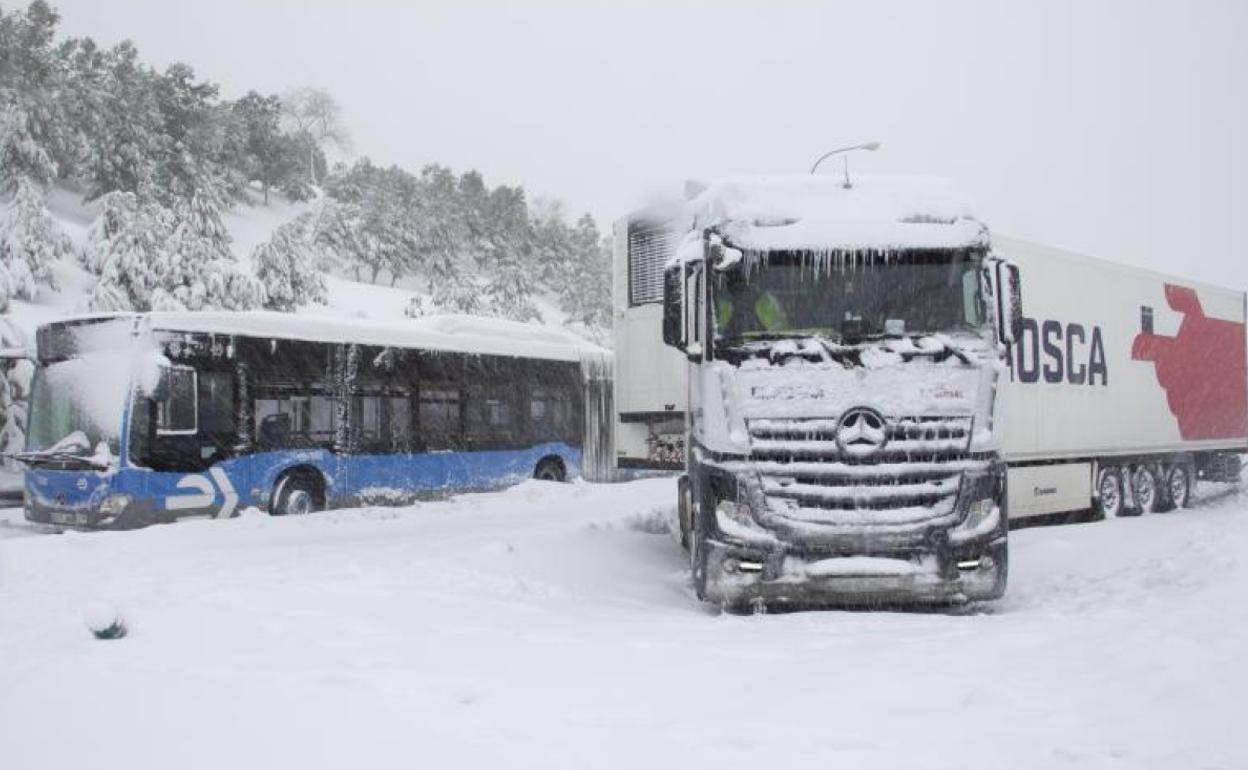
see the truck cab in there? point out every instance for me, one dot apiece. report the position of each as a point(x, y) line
point(842, 350)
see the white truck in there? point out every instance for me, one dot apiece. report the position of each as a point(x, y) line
point(862, 389)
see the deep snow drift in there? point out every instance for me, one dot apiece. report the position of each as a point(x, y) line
point(553, 626)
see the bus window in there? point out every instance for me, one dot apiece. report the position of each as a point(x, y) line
point(400, 424)
point(176, 409)
point(439, 414)
point(366, 416)
point(550, 413)
point(294, 422)
point(216, 403)
point(490, 418)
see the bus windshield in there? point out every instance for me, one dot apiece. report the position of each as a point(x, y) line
point(73, 409)
point(919, 293)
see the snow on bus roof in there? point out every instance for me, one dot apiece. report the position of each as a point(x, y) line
point(467, 334)
point(818, 213)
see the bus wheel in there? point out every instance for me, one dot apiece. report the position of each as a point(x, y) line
point(1109, 490)
point(1179, 486)
point(295, 497)
point(1148, 491)
point(550, 469)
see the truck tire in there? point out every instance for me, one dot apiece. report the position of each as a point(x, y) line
point(1109, 494)
point(1179, 486)
point(1148, 492)
point(684, 492)
point(697, 557)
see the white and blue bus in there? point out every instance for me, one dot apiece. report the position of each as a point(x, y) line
point(143, 418)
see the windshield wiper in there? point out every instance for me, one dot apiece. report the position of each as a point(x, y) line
point(48, 457)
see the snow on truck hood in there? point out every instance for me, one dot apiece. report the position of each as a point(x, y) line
point(817, 213)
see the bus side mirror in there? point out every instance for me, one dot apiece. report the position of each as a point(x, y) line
point(673, 311)
point(1010, 302)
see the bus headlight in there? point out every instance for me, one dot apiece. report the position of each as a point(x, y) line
point(115, 505)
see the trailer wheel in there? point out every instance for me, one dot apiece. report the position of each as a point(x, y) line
point(1148, 492)
point(1109, 494)
point(1179, 486)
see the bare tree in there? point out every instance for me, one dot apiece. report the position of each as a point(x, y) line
point(314, 115)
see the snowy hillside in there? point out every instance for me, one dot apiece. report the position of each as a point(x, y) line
point(248, 225)
point(553, 626)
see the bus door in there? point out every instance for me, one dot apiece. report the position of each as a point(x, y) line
point(185, 433)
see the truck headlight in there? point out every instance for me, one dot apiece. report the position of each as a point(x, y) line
point(738, 513)
point(736, 520)
point(115, 505)
point(978, 512)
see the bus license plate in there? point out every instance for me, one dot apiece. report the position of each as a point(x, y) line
point(79, 519)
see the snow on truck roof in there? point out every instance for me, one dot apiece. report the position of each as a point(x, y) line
point(460, 333)
point(818, 213)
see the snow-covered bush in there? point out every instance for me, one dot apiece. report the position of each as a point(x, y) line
point(286, 266)
point(30, 242)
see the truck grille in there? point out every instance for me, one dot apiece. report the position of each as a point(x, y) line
point(914, 476)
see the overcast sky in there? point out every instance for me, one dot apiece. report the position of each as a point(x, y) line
point(1113, 128)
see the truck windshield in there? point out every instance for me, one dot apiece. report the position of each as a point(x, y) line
point(916, 293)
point(73, 409)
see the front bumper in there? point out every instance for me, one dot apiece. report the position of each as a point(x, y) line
point(973, 570)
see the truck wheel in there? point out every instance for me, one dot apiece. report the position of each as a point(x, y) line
point(1109, 491)
point(697, 560)
point(1148, 493)
point(1179, 486)
point(684, 506)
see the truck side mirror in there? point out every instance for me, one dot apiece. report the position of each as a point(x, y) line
point(673, 313)
point(1010, 302)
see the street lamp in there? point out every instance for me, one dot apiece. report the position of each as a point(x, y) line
point(868, 146)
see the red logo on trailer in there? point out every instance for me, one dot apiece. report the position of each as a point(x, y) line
point(1201, 369)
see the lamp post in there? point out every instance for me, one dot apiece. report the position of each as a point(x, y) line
point(868, 146)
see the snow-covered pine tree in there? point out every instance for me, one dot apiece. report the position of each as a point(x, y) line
point(15, 374)
point(129, 253)
point(117, 212)
point(123, 143)
point(552, 243)
point(286, 268)
point(585, 292)
point(22, 151)
point(198, 271)
point(32, 132)
point(442, 240)
point(30, 241)
point(458, 292)
point(512, 276)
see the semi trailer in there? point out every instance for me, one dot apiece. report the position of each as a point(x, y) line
point(861, 389)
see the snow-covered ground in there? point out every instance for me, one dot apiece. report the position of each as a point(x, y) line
point(552, 626)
